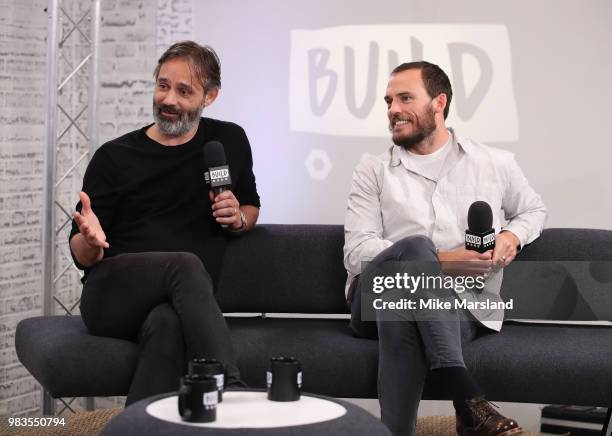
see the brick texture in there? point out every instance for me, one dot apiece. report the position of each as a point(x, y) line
point(22, 87)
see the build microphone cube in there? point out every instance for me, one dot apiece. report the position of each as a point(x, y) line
point(480, 241)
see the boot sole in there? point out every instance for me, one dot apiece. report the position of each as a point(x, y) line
point(514, 431)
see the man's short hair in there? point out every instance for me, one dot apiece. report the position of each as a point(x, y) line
point(434, 78)
point(203, 59)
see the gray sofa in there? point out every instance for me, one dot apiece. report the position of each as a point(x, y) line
point(297, 269)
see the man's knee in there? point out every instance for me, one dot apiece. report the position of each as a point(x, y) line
point(185, 260)
point(157, 259)
point(417, 247)
point(185, 264)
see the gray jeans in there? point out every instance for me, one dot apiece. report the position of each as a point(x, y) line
point(409, 349)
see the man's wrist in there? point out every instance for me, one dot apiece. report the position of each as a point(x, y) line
point(85, 253)
point(243, 223)
point(516, 238)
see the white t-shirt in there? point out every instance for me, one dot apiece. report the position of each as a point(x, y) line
point(430, 165)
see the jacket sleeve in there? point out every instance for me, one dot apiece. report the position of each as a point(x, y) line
point(363, 227)
point(523, 207)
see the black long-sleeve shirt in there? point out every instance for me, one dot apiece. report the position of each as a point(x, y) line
point(151, 197)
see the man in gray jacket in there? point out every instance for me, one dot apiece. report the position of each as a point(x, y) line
point(410, 204)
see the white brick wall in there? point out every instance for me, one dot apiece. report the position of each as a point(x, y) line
point(22, 83)
point(174, 23)
point(127, 60)
point(133, 34)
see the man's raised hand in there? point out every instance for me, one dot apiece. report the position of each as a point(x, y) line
point(89, 225)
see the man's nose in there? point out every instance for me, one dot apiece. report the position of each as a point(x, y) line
point(169, 98)
point(394, 109)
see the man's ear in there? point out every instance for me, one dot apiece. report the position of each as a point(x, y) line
point(211, 96)
point(440, 102)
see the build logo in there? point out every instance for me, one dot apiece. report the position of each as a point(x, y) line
point(338, 77)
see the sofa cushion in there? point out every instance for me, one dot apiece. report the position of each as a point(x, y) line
point(284, 269)
point(525, 362)
point(564, 290)
point(521, 363)
point(334, 362)
point(566, 275)
point(570, 244)
point(545, 363)
point(61, 354)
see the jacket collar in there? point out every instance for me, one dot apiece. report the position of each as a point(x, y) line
point(460, 146)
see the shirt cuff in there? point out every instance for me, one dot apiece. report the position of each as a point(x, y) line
point(519, 232)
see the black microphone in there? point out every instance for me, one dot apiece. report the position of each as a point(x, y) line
point(216, 171)
point(480, 234)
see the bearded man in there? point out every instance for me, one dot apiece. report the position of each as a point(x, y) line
point(150, 234)
point(407, 208)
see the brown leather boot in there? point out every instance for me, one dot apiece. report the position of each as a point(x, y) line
point(481, 419)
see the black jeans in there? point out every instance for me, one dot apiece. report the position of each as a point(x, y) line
point(410, 348)
point(165, 302)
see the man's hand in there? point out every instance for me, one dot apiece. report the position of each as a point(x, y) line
point(88, 223)
point(226, 209)
point(506, 244)
point(466, 262)
point(89, 244)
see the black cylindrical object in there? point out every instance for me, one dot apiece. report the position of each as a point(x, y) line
point(210, 367)
point(198, 398)
point(284, 379)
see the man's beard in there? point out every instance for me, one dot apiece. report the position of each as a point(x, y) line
point(185, 121)
point(423, 129)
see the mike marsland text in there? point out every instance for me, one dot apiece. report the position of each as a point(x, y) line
point(437, 304)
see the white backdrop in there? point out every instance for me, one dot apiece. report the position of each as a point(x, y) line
point(306, 80)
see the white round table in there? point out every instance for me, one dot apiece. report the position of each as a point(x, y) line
point(249, 409)
point(249, 412)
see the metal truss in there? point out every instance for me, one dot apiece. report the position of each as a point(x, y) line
point(71, 136)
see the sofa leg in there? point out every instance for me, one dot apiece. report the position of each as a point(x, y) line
point(48, 404)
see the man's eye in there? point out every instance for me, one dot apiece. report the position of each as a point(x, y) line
point(161, 86)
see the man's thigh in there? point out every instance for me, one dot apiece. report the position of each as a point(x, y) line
point(121, 290)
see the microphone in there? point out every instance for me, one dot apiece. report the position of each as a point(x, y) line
point(480, 234)
point(216, 170)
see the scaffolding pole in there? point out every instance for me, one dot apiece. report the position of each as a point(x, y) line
point(58, 48)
